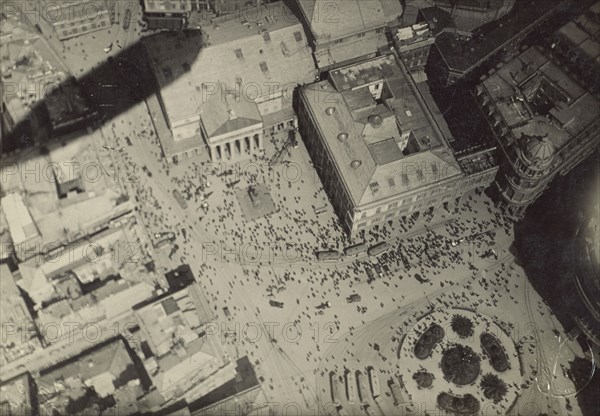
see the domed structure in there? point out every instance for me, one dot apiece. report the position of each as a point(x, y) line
point(375, 120)
point(342, 137)
point(538, 151)
point(355, 164)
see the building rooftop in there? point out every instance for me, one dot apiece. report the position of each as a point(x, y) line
point(100, 372)
point(384, 145)
point(536, 98)
point(167, 6)
point(26, 59)
point(437, 19)
point(334, 19)
point(20, 223)
point(16, 396)
point(222, 115)
point(22, 341)
point(343, 52)
point(179, 351)
point(74, 18)
point(463, 53)
point(259, 58)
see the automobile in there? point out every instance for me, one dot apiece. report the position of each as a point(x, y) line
point(180, 199)
point(370, 275)
point(355, 297)
point(108, 48)
point(457, 242)
point(378, 269)
point(226, 311)
point(276, 304)
point(324, 305)
point(127, 19)
point(386, 268)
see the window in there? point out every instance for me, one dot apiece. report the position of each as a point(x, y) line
point(392, 205)
point(378, 210)
point(379, 30)
point(267, 37)
point(374, 186)
point(420, 175)
point(298, 36)
point(391, 182)
point(405, 179)
point(264, 67)
point(361, 35)
point(338, 41)
point(239, 54)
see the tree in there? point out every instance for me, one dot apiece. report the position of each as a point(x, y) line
point(493, 387)
point(462, 326)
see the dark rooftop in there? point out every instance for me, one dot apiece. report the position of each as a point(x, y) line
point(438, 19)
point(462, 55)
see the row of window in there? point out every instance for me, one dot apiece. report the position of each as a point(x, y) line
point(398, 213)
point(267, 37)
point(360, 35)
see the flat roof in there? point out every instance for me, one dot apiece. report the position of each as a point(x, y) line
point(437, 18)
point(573, 32)
point(373, 166)
point(260, 58)
point(20, 223)
point(462, 55)
point(347, 17)
point(167, 6)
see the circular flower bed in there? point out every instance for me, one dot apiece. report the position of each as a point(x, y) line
point(462, 325)
point(460, 365)
point(424, 379)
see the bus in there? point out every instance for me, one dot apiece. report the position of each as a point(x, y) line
point(355, 250)
point(350, 386)
point(329, 255)
point(378, 249)
point(374, 383)
point(335, 389)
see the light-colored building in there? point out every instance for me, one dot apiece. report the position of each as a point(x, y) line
point(103, 377)
point(378, 145)
point(171, 14)
point(544, 122)
point(77, 17)
point(17, 397)
point(18, 330)
point(183, 360)
point(342, 32)
point(413, 44)
point(225, 88)
point(22, 228)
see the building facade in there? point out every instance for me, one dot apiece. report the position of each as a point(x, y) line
point(544, 122)
point(225, 88)
point(378, 148)
point(171, 14)
point(413, 44)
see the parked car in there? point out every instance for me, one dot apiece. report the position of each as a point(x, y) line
point(276, 304)
point(180, 199)
point(355, 297)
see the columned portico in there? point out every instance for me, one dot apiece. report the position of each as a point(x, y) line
point(236, 148)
